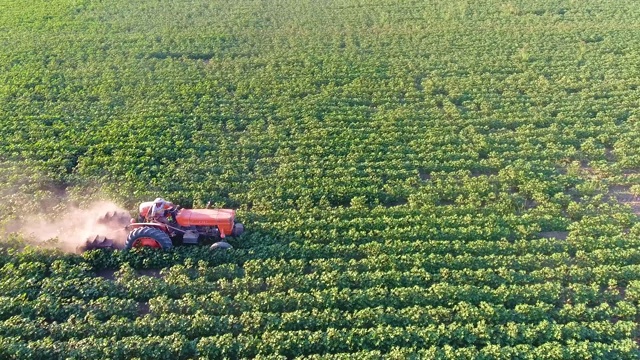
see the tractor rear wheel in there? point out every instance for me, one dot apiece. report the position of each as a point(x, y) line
point(148, 237)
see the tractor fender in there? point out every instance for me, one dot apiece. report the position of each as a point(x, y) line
point(159, 226)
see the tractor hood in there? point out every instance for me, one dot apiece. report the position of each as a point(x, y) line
point(206, 217)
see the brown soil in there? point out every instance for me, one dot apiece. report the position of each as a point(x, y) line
point(143, 308)
point(560, 235)
point(622, 195)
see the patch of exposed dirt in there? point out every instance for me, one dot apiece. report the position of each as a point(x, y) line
point(590, 172)
point(608, 154)
point(109, 274)
point(622, 195)
point(560, 235)
point(530, 204)
point(149, 272)
point(629, 172)
point(143, 308)
point(398, 202)
point(479, 173)
point(635, 207)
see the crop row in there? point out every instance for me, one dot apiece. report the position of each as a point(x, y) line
point(121, 318)
point(331, 341)
point(283, 276)
point(190, 299)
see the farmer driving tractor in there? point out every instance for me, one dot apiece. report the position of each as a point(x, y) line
point(162, 211)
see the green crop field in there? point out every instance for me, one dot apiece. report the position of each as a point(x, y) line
point(437, 179)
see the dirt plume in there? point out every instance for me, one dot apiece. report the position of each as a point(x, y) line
point(68, 226)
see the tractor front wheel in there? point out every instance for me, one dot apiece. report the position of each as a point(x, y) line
point(148, 237)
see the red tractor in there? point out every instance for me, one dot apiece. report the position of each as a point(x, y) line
point(184, 227)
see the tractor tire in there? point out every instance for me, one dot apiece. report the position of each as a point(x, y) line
point(221, 245)
point(96, 242)
point(148, 237)
point(238, 229)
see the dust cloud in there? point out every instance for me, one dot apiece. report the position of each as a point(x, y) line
point(70, 228)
